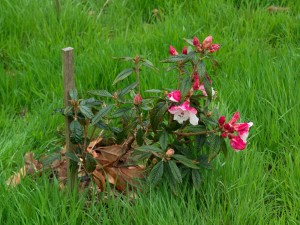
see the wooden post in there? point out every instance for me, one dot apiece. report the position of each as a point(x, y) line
point(69, 84)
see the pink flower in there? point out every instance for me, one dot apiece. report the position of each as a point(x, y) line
point(174, 96)
point(184, 50)
point(137, 99)
point(184, 112)
point(173, 50)
point(207, 42)
point(239, 141)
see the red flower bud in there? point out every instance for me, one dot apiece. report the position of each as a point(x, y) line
point(173, 50)
point(214, 48)
point(222, 120)
point(184, 50)
point(207, 42)
point(137, 99)
point(224, 135)
point(196, 41)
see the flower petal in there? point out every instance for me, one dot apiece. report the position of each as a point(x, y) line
point(237, 143)
point(235, 117)
point(194, 119)
point(174, 96)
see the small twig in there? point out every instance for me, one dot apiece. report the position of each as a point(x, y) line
point(196, 133)
point(102, 9)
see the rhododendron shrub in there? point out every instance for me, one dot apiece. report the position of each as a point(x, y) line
point(175, 132)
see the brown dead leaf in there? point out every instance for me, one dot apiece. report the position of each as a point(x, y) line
point(274, 8)
point(92, 144)
point(99, 179)
point(111, 153)
point(16, 179)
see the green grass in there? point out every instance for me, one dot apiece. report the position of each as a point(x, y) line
point(259, 76)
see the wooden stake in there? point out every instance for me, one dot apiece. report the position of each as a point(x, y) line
point(69, 84)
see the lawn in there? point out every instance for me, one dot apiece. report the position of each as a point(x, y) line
point(258, 76)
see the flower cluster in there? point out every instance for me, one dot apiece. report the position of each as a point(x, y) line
point(239, 141)
point(206, 45)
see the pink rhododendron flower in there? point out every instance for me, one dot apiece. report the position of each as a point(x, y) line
point(173, 50)
point(137, 99)
point(239, 141)
point(184, 50)
point(174, 96)
point(184, 112)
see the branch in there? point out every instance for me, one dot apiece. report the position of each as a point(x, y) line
point(196, 133)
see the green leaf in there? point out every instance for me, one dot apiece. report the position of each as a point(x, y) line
point(175, 171)
point(154, 91)
point(102, 93)
point(176, 58)
point(185, 86)
point(102, 112)
point(185, 161)
point(149, 148)
point(196, 178)
point(120, 111)
point(50, 159)
point(125, 58)
point(156, 173)
point(76, 130)
point(72, 156)
point(90, 163)
point(215, 143)
point(73, 94)
point(163, 140)
point(195, 129)
point(149, 64)
point(157, 113)
point(121, 76)
point(90, 102)
point(127, 89)
point(201, 70)
point(86, 111)
point(189, 41)
point(68, 111)
point(140, 137)
point(173, 184)
point(207, 87)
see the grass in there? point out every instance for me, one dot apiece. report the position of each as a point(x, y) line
point(259, 76)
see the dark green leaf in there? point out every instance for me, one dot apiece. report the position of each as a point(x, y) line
point(163, 140)
point(90, 102)
point(102, 112)
point(194, 129)
point(185, 161)
point(196, 178)
point(185, 85)
point(176, 58)
point(215, 143)
point(68, 111)
point(203, 159)
point(156, 173)
point(149, 64)
point(76, 130)
point(149, 148)
point(154, 91)
point(173, 184)
point(72, 156)
point(127, 89)
point(73, 94)
point(120, 111)
point(140, 156)
point(200, 141)
point(207, 87)
point(102, 93)
point(201, 70)
point(50, 159)
point(121, 76)
point(175, 171)
point(189, 41)
point(86, 111)
point(157, 113)
point(140, 137)
point(90, 163)
point(126, 58)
